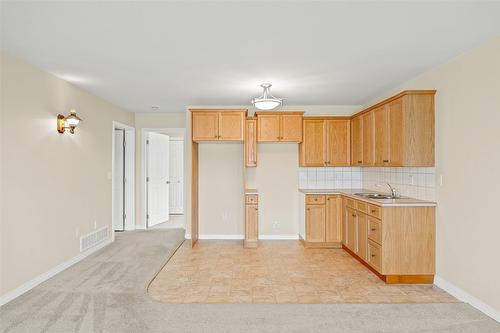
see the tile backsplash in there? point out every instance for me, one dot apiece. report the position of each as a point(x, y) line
point(324, 178)
point(417, 183)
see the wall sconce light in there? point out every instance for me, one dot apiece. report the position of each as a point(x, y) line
point(70, 122)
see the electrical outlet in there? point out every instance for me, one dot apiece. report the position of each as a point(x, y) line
point(440, 180)
point(276, 225)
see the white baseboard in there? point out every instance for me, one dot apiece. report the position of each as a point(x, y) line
point(279, 237)
point(210, 236)
point(239, 237)
point(6, 298)
point(467, 298)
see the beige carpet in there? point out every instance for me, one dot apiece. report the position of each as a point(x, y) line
point(106, 292)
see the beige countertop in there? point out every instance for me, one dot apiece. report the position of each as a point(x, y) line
point(403, 201)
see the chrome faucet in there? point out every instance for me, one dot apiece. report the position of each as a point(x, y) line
point(394, 193)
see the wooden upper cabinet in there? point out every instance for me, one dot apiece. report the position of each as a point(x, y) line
point(231, 125)
point(250, 143)
point(338, 142)
point(291, 127)
point(218, 125)
point(312, 149)
point(268, 127)
point(403, 131)
point(326, 142)
point(382, 136)
point(396, 140)
point(368, 139)
point(357, 141)
point(279, 126)
point(205, 125)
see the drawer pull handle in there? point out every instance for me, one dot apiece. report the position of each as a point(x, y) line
point(373, 255)
point(386, 161)
point(373, 211)
point(353, 215)
point(373, 229)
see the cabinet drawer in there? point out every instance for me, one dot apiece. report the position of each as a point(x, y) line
point(315, 199)
point(374, 255)
point(374, 230)
point(374, 211)
point(251, 199)
point(361, 206)
point(350, 203)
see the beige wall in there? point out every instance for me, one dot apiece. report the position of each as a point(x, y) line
point(276, 179)
point(53, 186)
point(468, 159)
point(221, 189)
point(149, 121)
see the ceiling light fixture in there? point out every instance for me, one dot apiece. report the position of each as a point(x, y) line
point(266, 101)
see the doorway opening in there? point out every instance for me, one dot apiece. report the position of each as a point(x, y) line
point(163, 170)
point(123, 189)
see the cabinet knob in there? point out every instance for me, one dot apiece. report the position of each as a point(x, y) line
point(373, 255)
point(386, 161)
point(353, 215)
point(373, 229)
point(360, 161)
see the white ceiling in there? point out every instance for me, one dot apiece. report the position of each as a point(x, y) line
point(173, 54)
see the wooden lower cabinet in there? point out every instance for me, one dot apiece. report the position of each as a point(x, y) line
point(251, 221)
point(396, 242)
point(315, 223)
point(323, 221)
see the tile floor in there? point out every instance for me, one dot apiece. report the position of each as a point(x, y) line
point(277, 272)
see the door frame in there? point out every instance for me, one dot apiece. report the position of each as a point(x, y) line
point(144, 132)
point(129, 187)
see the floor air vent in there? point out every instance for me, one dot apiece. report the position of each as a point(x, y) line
point(92, 239)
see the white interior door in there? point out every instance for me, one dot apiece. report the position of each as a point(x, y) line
point(118, 177)
point(176, 162)
point(157, 178)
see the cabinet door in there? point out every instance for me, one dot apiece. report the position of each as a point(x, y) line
point(368, 139)
point(338, 139)
point(345, 214)
point(251, 223)
point(205, 125)
point(291, 128)
point(356, 141)
point(268, 128)
point(315, 223)
point(362, 236)
point(382, 136)
point(251, 143)
point(312, 148)
point(231, 125)
point(351, 234)
point(396, 141)
point(333, 218)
